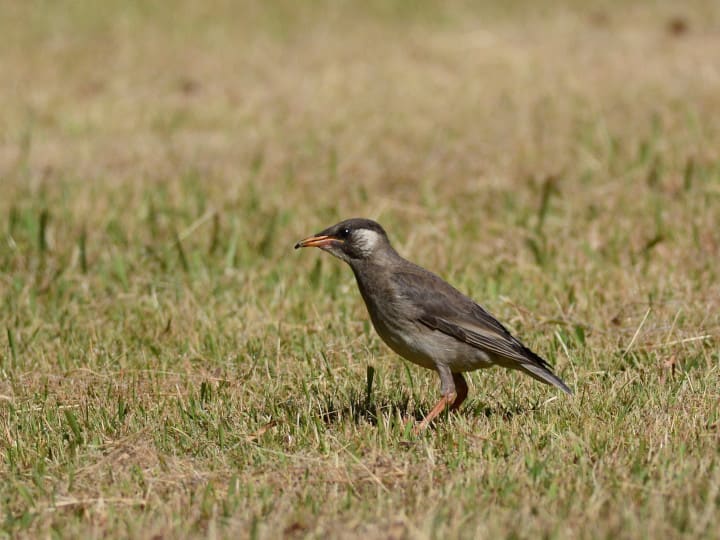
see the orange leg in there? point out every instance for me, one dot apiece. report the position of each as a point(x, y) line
point(461, 388)
point(453, 400)
point(445, 401)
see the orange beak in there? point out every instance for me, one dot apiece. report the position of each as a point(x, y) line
point(315, 241)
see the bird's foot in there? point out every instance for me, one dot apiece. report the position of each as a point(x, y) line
point(445, 401)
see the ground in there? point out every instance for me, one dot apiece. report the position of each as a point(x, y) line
point(170, 367)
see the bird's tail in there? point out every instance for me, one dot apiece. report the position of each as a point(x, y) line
point(539, 369)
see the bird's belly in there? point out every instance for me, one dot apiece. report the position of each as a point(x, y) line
point(430, 348)
point(409, 349)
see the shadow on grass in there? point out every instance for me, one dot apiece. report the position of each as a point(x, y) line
point(506, 412)
point(358, 408)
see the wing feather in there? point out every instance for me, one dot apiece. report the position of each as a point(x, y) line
point(441, 307)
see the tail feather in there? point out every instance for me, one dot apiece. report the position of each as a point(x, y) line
point(539, 369)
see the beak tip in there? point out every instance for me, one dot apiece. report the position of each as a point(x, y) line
point(314, 241)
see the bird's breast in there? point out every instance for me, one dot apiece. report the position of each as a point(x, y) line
point(395, 322)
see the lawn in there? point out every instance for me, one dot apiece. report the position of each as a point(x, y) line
point(171, 368)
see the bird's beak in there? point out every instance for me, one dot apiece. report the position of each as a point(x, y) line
point(315, 241)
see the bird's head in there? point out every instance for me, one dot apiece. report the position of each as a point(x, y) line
point(351, 240)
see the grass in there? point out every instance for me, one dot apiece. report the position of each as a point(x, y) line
point(170, 367)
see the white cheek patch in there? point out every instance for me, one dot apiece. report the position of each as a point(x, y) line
point(366, 240)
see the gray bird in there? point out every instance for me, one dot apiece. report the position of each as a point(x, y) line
point(424, 319)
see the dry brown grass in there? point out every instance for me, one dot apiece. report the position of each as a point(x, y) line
point(169, 367)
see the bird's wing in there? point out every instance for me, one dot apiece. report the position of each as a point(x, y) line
point(477, 335)
point(441, 307)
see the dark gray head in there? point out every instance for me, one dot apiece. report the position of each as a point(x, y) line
point(352, 240)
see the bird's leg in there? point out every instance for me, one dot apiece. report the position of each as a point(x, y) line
point(461, 388)
point(445, 401)
point(449, 395)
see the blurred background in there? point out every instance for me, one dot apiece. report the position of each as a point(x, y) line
point(558, 161)
point(580, 135)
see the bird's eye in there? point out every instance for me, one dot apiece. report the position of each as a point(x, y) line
point(344, 233)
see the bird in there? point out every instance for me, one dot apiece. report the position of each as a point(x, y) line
point(423, 318)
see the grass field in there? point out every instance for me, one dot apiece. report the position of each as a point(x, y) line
point(170, 367)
